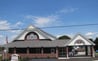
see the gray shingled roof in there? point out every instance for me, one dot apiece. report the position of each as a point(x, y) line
point(43, 43)
point(59, 43)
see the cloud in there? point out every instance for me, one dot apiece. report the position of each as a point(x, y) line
point(10, 35)
point(90, 33)
point(67, 10)
point(15, 31)
point(18, 23)
point(4, 24)
point(1, 36)
point(2, 39)
point(52, 19)
point(44, 21)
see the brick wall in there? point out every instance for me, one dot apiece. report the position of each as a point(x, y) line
point(52, 55)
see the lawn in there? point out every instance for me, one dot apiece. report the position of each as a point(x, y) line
point(96, 54)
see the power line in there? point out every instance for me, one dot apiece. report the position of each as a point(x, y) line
point(53, 27)
point(71, 26)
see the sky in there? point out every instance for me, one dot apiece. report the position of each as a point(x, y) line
point(19, 14)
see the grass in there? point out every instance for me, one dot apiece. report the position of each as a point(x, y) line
point(0, 58)
point(96, 54)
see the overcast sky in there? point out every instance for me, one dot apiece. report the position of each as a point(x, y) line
point(46, 13)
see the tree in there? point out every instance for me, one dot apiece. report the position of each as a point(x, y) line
point(1, 48)
point(64, 37)
point(91, 39)
point(96, 43)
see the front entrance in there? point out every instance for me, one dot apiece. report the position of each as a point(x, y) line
point(75, 51)
point(80, 51)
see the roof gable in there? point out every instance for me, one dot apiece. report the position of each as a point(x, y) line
point(80, 40)
point(41, 33)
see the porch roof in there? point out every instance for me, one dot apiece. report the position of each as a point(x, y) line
point(21, 44)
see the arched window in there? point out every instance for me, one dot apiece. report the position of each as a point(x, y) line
point(31, 36)
point(79, 42)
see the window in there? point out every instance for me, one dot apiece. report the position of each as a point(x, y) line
point(11, 50)
point(62, 52)
point(31, 36)
point(79, 42)
point(35, 50)
point(53, 50)
point(18, 50)
point(21, 50)
point(49, 50)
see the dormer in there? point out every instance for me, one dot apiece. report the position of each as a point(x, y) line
point(33, 33)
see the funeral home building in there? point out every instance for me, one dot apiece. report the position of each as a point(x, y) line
point(36, 43)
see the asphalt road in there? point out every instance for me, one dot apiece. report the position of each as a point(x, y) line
point(71, 59)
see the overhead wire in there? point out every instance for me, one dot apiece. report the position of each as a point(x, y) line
point(53, 27)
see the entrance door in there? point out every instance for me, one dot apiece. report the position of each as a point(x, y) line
point(62, 52)
point(80, 50)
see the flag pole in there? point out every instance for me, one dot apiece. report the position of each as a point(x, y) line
point(6, 47)
point(6, 39)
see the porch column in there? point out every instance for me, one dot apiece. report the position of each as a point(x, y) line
point(67, 52)
point(27, 50)
point(93, 52)
point(86, 51)
point(42, 51)
point(56, 52)
point(14, 50)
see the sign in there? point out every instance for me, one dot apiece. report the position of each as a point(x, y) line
point(14, 57)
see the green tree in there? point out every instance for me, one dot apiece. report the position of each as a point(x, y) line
point(96, 42)
point(91, 39)
point(1, 48)
point(64, 37)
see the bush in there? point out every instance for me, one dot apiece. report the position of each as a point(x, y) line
point(5, 60)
